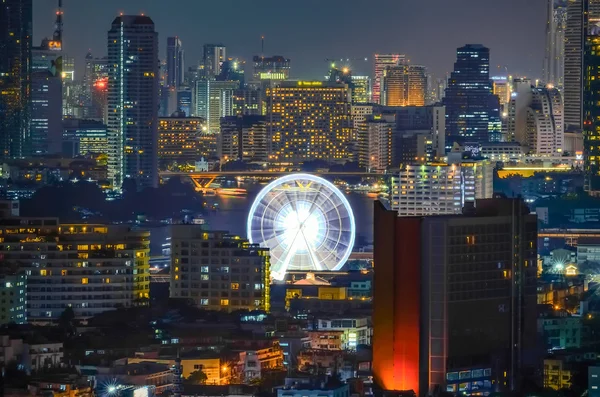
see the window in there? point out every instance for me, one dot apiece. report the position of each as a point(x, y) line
point(43, 272)
point(204, 277)
point(235, 286)
point(224, 302)
point(204, 302)
point(84, 280)
point(63, 272)
point(204, 269)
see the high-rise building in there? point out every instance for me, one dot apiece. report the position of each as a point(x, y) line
point(382, 61)
point(213, 100)
point(310, 120)
point(404, 85)
point(15, 68)
point(244, 138)
point(361, 89)
point(501, 88)
point(454, 304)
point(275, 68)
point(591, 114)
point(554, 60)
point(46, 100)
point(535, 119)
point(440, 189)
point(185, 100)
point(13, 292)
point(175, 62)
point(213, 57)
point(133, 100)
point(83, 137)
point(248, 101)
point(179, 139)
point(579, 15)
point(91, 268)
point(391, 136)
point(472, 110)
point(218, 271)
point(95, 82)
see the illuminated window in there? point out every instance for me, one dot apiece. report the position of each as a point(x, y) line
point(224, 302)
point(63, 272)
point(177, 277)
point(83, 247)
point(107, 281)
point(235, 286)
point(84, 280)
point(43, 272)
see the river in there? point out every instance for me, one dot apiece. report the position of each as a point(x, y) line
point(233, 213)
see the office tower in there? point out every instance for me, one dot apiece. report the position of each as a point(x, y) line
point(232, 70)
point(95, 80)
point(275, 68)
point(535, 119)
point(591, 114)
point(244, 137)
point(403, 85)
point(382, 61)
point(454, 305)
point(310, 120)
point(15, 69)
point(213, 58)
point(218, 271)
point(377, 136)
point(501, 88)
point(248, 101)
point(554, 60)
point(361, 89)
point(184, 100)
point(175, 62)
point(179, 140)
point(213, 100)
point(472, 110)
point(440, 189)
point(133, 101)
point(580, 13)
point(83, 137)
point(45, 108)
point(92, 268)
point(441, 89)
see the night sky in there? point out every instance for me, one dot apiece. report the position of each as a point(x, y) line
point(309, 31)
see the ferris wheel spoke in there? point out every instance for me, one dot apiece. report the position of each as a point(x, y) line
point(316, 264)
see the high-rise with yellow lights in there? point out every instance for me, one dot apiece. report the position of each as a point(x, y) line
point(404, 85)
point(309, 120)
point(382, 61)
point(179, 140)
point(91, 268)
point(218, 271)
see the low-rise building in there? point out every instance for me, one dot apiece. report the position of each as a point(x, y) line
point(356, 331)
point(327, 340)
point(31, 354)
point(313, 387)
point(210, 365)
point(13, 297)
point(253, 363)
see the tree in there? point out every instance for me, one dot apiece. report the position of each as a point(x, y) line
point(197, 378)
point(67, 318)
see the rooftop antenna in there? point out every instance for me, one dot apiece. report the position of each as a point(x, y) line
point(59, 23)
point(262, 45)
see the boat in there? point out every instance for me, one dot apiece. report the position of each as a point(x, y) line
point(233, 192)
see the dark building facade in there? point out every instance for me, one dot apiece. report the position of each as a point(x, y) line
point(15, 69)
point(472, 110)
point(175, 64)
point(591, 112)
point(455, 299)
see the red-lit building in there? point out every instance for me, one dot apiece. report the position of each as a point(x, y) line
point(452, 294)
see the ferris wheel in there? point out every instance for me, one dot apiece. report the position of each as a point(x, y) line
point(306, 223)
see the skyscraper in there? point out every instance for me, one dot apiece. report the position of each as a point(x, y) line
point(454, 306)
point(472, 110)
point(15, 68)
point(243, 137)
point(591, 113)
point(213, 100)
point(213, 57)
point(310, 120)
point(579, 14)
point(133, 100)
point(175, 62)
point(404, 85)
point(554, 60)
point(381, 62)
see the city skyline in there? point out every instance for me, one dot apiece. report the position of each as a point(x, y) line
point(520, 48)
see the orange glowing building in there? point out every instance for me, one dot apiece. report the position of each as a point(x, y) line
point(404, 85)
point(455, 299)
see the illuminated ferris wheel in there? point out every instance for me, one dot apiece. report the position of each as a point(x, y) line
point(306, 223)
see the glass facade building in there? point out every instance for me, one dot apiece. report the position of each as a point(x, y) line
point(472, 110)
